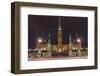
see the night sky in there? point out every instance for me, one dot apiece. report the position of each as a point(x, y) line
point(40, 26)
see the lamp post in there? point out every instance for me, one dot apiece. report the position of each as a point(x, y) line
point(79, 48)
point(39, 40)
point(39, 48)
point(78, 40)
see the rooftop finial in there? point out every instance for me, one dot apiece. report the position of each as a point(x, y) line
point(59, 23)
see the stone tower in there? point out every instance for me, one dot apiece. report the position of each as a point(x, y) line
point(70, 45)
point(59, 36)
point(49, 46)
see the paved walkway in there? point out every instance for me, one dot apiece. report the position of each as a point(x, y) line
point(56, 58)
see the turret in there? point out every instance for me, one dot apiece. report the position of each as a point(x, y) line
point(70, 45)
point(49, 46)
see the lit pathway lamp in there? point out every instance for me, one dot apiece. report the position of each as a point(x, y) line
point(39, 48)
point(78, 40)
point(79, 48)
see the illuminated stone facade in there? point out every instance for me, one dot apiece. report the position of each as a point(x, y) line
point(47, 47)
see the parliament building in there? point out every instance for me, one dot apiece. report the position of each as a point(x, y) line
point(47, 49)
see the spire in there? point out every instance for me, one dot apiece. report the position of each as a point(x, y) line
point(70, 41)
point(59, 35)
point(70, 46)
point(59, 23)
point(70, 38)
point(49, 38)
point(49, 35)
point(49, 46)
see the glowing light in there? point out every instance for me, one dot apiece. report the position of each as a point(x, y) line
point(59, 50)
point(78, 40)
point(39, 40)
point(73, 48)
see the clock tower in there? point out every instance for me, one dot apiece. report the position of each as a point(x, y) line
point(59, 36)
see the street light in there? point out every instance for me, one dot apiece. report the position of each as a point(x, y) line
point(39, 40)
point(78, 40)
